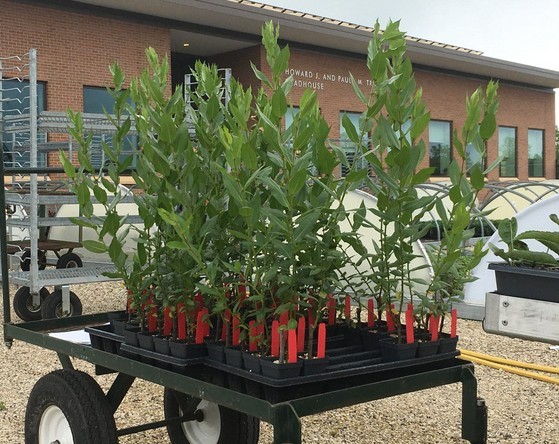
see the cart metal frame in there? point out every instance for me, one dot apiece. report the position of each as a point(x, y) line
point(285, 417)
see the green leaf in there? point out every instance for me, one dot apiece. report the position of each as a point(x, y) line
point(100, 194)
point(83, 223)
point(419, 125)
point(507, 230)
point(350, 129)
point(94, 246)
point(488, 126)
point(276, 191)
point(476, 177)
point(177, 245)
point(297, 182)
point(305, 224)
point(279, 103)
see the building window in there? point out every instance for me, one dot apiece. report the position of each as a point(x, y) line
point(507, 150)
point(15, 101)
point(353, 155)
point(535, 153)
point(97, 100)
point(440, 153)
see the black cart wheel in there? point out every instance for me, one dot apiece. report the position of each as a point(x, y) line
point(69, 260)
point(23, 304)
point(66, 407)
point(215, 424)
point(25, 260)
point(52, 306)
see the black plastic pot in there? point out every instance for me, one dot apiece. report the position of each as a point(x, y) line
point(233, 356)
point(183, 350)
point(370, 338)
point(215, 351)
point(161, 344)
point(273, 369)
point(525, 282)
point(314, 366)
point(447, 344)
point(393, 351)
point(145, 341)
point(427, 348)
point(251, 362)
point(131, 335)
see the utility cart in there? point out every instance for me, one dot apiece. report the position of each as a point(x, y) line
point(202, 402)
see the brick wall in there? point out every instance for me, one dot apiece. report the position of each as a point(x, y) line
point(521, 107)
point(75, 49)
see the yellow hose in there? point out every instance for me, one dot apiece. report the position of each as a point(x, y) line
point(509, 369)
point(510, 362)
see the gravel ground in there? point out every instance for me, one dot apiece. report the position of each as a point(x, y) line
point(521, 410)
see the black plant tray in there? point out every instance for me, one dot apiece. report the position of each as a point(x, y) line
point(526, 282)
point(103, 338)
point(333, 371)
point(161, 359)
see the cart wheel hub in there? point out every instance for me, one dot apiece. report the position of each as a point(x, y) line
point(206, 428)
point(54, 427)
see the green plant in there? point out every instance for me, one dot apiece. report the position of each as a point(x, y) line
point(451, 264)
point(397, 118)
point(518, 252)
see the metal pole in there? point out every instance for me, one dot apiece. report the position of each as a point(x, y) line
point(4, 252)
point(34, 210)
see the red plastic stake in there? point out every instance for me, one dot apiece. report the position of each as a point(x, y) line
point(434, 327)
point(390, 324)
point(292, 347)
point(167, 322)
point(284, 318)
point(200, 329)
point(275, 339)
point(321, 349)
point(301, 335)
point(252, 344)
point(370, 313)
point(311, 312)
point(347, 307)
point(409, 327)
point(181, 321)
point(453, 322)
point(236, 330)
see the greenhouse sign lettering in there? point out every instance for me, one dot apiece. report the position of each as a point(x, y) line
point(304, 78)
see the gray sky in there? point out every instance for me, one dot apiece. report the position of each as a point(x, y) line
point(520, 31)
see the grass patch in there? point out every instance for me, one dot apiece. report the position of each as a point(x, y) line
point(2, 406)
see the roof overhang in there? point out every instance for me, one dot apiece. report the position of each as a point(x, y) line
point(242, 20)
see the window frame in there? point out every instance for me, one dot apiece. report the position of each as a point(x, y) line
point(133, 138)
point(515, 128)
point(450, 146)
point(542, 131)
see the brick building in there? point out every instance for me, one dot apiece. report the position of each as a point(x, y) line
point(76, 41)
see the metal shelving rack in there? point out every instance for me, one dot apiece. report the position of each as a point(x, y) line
point(30, 187)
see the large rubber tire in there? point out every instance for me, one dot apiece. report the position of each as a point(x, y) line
point(69, 260)
point(220, 425)
point(23, 304)
point(68, 407)
point(52, 306)
point(25, 260)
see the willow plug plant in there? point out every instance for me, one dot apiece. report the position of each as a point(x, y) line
point(451, 262)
